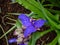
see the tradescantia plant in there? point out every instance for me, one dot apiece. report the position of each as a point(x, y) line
point(37, 8)
point(42, 16)
point(30, 25)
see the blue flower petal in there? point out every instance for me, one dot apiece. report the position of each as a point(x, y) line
point(12, 40)
point(39, 23)
point(29, 30)
point(25, 20)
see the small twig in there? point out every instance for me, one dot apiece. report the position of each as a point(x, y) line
point(0, 10)
point(12, 2)
point(3, 19)
point(5, 35)
point(8, 31)
point(7, 18)
point(47, 38)
point(42, 42)
point(11, 19)
point(10, 23)
point(14, 14)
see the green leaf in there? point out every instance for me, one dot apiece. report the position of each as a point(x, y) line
point(37, 35)
point(55, 2)
point(38, 9)
point(51, 16)
point(47, 13)
point(44, 11)
point(57, 17)
point(33, 6)
point(54, 11)
point(18, 24)
point(59, 38)
point(58, 34)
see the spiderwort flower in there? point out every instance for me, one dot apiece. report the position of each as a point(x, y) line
point(30, 26)
point(25, 20)
point(29, 30)
point(39, 23)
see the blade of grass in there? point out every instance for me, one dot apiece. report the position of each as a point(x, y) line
point(42, 12)
point(54, 24)
point(31, 7)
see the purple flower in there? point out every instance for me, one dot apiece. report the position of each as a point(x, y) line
point(25, 20)
point(12, 40)
point(29, 30)
point(31, 26)
point(39, 23)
